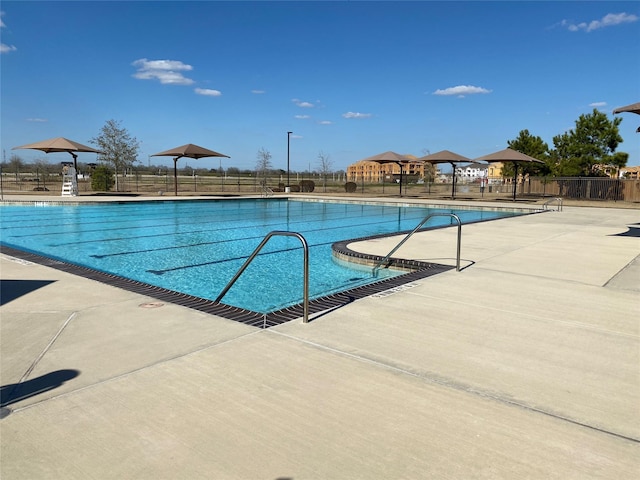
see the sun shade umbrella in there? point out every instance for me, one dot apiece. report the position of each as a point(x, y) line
point(445, 156)
point(190, 151)
point(509, 155)
point(60, 144)
point(389, 157)
point(633, 108)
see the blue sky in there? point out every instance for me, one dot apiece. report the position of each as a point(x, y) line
point(350, 79)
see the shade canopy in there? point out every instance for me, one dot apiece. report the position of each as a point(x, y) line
point(633, 108)
point(509, 155)
point(387, 157)
point(189, 151)
point(60, 144)
point(446, 156)
point(390, 157)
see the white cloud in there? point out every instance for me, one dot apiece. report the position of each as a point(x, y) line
point(165, 71)
point(356, 115)
point(461, 90)
point(208, 92)
point(4, 48)
point(302, 104)
point(7, 48)
point(39, 120)
point(258, 92)
point(609, 20)
point(301, 117)
point(598, 104)
point(325, 122)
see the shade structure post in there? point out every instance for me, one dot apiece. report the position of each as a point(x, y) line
point(75, 161)
point(400, 165)
point(61, 144)
point(509, 155)
point(445, 156)
point(453, 180)
point(175, 176)
point(189, 151)
point(388, 157)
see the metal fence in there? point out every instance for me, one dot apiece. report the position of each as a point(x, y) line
point(583, 188)
point(579, 188)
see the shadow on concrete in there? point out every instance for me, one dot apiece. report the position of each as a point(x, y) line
point(12, 289)
point(14, 392)
point(633, 231)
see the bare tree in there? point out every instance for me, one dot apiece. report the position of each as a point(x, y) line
point(118, 147)
point(263, 165)
point(16, 164)
point(325, 166)
point(429, 168)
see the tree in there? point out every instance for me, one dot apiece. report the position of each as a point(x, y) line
point(263, 165)
point(593, 142)
point(118, 147)
point(42, 168)
point(534, 147)
point(16, 165)
point(102, 179)
point(325, 165)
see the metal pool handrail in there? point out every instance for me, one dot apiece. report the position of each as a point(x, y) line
point(266, 192)
point(305, 246)
point(556, 199)
point(425, 220)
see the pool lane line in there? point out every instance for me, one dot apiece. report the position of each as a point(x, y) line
point(177, 247)
point(297, 219)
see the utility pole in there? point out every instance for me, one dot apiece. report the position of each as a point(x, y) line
point(288, 171)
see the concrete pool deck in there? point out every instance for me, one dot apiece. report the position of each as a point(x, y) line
point(525, 364)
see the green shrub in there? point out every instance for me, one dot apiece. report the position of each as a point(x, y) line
point(102, 179)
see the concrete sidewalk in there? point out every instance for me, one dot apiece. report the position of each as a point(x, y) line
point(526, 364)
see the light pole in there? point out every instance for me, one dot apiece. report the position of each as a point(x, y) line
point(288, 174)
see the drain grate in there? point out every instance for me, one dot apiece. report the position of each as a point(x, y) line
point(248, 317)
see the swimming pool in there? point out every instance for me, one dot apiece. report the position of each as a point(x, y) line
point(195, 247)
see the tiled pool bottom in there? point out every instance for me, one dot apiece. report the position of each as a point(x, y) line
point(248, 317)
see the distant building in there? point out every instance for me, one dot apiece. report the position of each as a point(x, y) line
point(368, 171)
point(472, 172)
point(630, 172)
point(494, 172)
point(612, 171)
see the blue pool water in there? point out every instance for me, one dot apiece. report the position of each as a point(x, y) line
point(196, 247)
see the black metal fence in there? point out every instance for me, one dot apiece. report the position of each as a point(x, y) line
point(583, 188)
point(578, 188)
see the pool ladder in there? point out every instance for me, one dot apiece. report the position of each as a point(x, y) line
point(558, 200)
point(425, 220)
point(266, 192)
point(305, 288)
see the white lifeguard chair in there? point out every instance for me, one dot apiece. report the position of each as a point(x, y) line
point(69, 182)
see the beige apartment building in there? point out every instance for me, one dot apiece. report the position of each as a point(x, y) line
point(374, 172)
